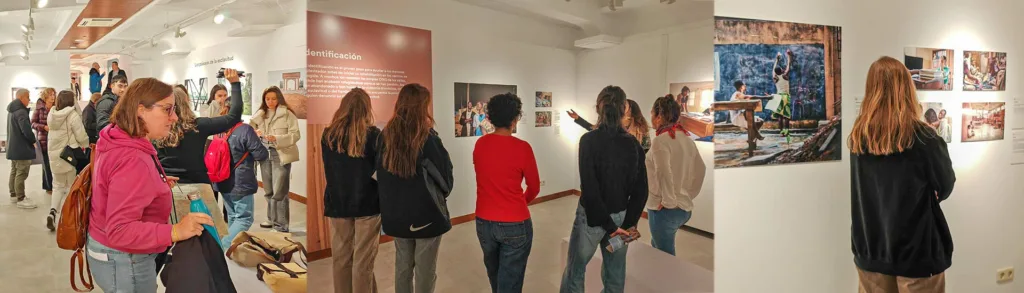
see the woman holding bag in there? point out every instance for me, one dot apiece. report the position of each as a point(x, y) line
point(278, 127)
point(412, 210)
point(66, 137)
point(131, 200)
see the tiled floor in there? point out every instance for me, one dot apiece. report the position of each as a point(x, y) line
point(460, 264)
point(30, 260)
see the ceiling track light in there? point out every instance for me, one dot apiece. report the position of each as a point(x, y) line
point(41, 3)
point(218, 17)
point(179, 33)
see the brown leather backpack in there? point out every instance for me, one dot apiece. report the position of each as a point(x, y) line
point(73, 227)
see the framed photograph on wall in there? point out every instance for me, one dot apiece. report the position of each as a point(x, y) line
point(470, 107)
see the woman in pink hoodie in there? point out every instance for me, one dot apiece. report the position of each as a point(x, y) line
point(131, 201)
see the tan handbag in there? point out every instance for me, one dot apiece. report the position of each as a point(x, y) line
point(283, 277)
point(250, 248)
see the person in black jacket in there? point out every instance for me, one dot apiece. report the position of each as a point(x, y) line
point(900, 172)
point(351, 202)
point(634, 122)
point(613, 186)
point(246, 149)
point(182, 152)
point(415, 178)
point(21, 144)
point(115, 71)
point(89, 121)
point(109, 99)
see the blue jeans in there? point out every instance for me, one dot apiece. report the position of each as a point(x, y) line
point(583, 242)
point(506, 249)
point(240, 215)
point(664, 224)
point(119, 272)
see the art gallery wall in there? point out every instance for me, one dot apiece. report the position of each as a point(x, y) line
point(799, 215)
point(283, 49)
point(46, 70)
point(479, 45)
point(644, 65)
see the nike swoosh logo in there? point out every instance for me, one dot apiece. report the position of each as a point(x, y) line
point(414, 228)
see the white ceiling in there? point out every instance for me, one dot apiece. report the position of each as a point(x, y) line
point(595, 17)
point(244, 18)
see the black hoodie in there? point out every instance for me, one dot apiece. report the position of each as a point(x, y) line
point(898, 225)
point(19, 132)
point(407, 207)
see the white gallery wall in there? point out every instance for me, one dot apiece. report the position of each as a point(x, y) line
point(42, 70)
point(792, 233)
point(283, 49)
point(479, 45)
point(644, 65)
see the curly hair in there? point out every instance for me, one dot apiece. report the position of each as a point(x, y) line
point(503, 109)
point(186, 121)
point(667, 109)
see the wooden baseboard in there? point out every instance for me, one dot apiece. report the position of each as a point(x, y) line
point(325, 253)
point(291, 195)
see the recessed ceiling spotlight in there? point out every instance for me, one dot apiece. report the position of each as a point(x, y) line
point(74, 46)
point(218, 18)
point(41, 3)
point(79, 41)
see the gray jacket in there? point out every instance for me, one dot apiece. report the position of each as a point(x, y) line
point(19, 133)
point(243, 178)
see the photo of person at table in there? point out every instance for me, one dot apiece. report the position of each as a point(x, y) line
point(736, 117)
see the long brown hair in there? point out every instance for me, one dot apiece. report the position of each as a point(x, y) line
point(213, 93)
point(186, 121)
point(64, 99)
point(143, 91)
point(347, 132)
point(280, 100)
point(890, 114)
point(407, 131)
point(639, 125)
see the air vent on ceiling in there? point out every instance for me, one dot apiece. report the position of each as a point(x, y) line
point(98, 22)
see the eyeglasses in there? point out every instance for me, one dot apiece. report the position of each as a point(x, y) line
point(168, 108)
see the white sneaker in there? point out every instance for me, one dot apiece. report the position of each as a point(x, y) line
point(14, 200)
point(26, 204)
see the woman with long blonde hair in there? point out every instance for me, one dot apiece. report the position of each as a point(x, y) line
point(350, 198)
point(901, 171)
point(415, 175)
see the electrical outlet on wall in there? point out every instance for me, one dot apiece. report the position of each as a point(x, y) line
point(542, 182)
point(1004, 275)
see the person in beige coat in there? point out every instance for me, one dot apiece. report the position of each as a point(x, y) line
point(675, 175)
point(278, 127)
point(66, 130)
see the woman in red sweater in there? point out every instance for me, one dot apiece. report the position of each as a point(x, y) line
point(503, 223)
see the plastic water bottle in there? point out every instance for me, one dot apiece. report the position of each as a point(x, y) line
point(197, 206)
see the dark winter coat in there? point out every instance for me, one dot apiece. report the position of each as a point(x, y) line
point(39, 122)
point(19, 133)
point(243, 179)
point(89, 121)
point(104, 107)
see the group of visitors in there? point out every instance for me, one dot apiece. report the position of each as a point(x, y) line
point(149, 155)
point(622, 170)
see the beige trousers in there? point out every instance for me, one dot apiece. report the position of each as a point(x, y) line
point(205, 191)
point(354, 244)
point(880, 283)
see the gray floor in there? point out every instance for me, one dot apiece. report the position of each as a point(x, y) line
point(460, 264)
point(30, 260)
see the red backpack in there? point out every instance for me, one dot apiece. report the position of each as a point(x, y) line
point(218, 157)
